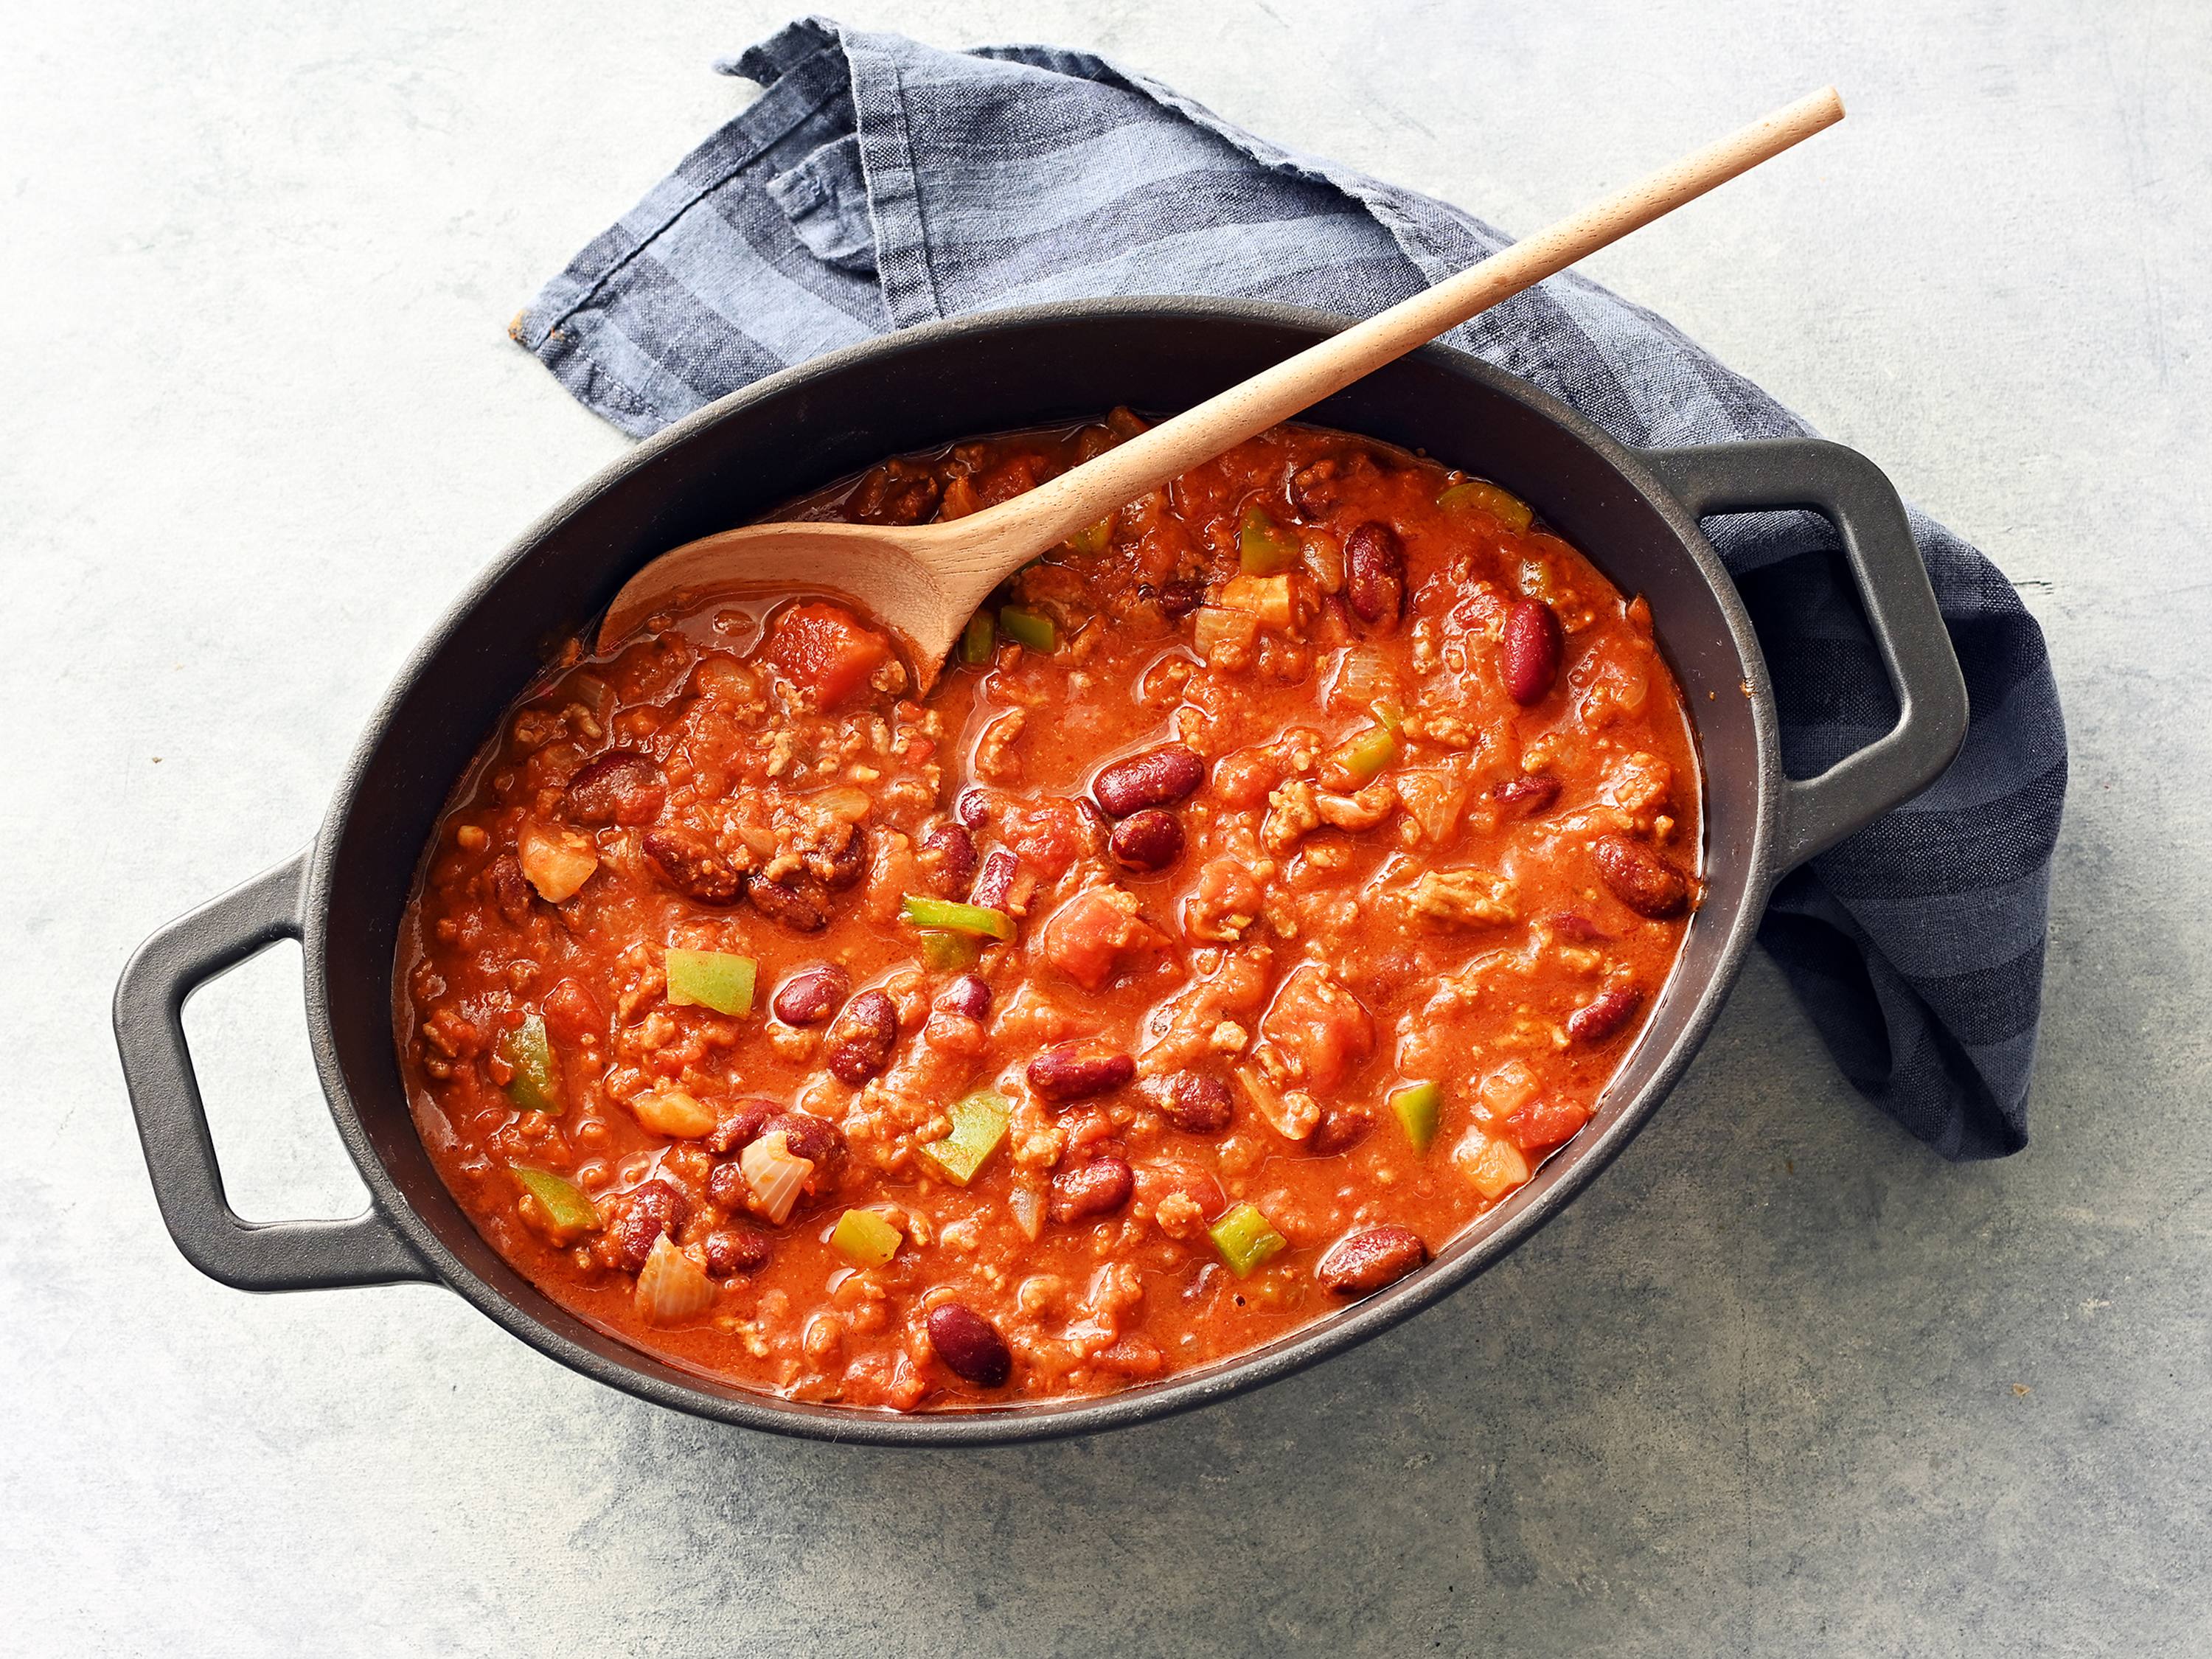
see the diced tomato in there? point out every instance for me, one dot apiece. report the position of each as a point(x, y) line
point(1244, 779)
point(1225, 901)
point(826, 650)
point(1319, 1023)
point(1090, 936)
point(1049, 834)
point(1543, 1123)
point(1158, 1181)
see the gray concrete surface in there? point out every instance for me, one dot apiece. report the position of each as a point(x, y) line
point(1784, 1382)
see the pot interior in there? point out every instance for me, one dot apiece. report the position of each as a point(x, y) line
point(734, 461)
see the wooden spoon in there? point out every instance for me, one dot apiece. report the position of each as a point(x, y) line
point(925, 581)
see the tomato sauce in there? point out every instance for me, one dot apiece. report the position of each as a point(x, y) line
point(1277, 873)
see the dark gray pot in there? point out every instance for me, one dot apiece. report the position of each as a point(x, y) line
point(1634, 513)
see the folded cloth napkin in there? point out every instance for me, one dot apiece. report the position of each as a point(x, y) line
point(878, 183)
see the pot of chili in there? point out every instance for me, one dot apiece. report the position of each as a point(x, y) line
point(1633, 514)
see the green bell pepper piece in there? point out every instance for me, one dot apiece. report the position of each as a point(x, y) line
point(1417, 1105)
point(1093, 538)
point(711, 979)
point(1367, 752)
point(979, 640)
point(948, 952)
point(918, 911)
point(865, 1238)
point(566, 1207)
point(536, 1085)
point(1262, 549)
point(1502, 505)
point(979, 1124)
point(1031, 629)
point(1246, 1238)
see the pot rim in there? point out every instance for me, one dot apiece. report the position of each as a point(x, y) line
point(1487, 1240)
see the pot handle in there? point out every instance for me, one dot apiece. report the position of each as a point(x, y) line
point(1850, 492)
point(173, 1127)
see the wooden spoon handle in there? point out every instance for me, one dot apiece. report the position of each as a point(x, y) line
point(1057, 510)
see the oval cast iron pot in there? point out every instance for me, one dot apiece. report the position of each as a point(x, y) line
point(1634, 513)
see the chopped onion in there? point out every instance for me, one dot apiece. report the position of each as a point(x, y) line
point(1626, 684)
point(1028, 1206)
point(1362, 679)
point(671, 1286)
point(775, 1176)
point(1215, 630)
point(1434, 798)
point(1268, 598)
point(1508, 1089)
point(1323, 560)
point(671, 1112)
point(842, 801)
point(1493, 1167)
point(555, 862)
point(1293, 1115)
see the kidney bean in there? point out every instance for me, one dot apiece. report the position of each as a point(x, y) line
point(620, 787)
point(1605, 1013)
point(1069, 1071)
point(797, 900)
point(1568, 925)
point(725, 1185)
point(948, 858)
point(1530, 650)
point(859, 1044)
point(573, 1014)
point(1150, 840)
point(969, 1344)
point(1339, 1131)
point(967, 995)
point(730, 1251)
point(1098, 1188)
point(1196, 1103)
point(1531, 795)
point(690, 865)
point(814, 1138)
point(994, 883)
point(738, 1125)
point(848, 863)
point(1375, 574)
point(510, 888)
point(812, 994)
point(1179, 599)
point(648, 1210)
point(1363, 1262)
point(1640, 878)
point(1159, 777)
point(973, 809)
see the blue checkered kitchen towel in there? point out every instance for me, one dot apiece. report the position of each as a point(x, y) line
point(878, 183)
